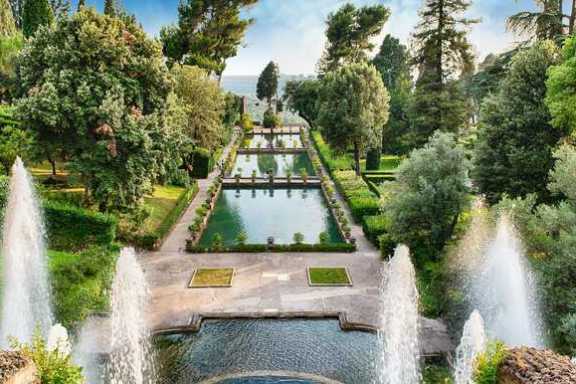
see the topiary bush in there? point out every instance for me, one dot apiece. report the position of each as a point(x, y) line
point(71, 228)
point(374, 227)
point(373, 159)
point(202, 163)
point(363, 206)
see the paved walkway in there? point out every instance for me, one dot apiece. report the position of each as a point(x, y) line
point(267, 284)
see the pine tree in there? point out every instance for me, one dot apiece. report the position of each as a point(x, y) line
point(7, 24)
point(443, 54)
point(110, 8)
point(546, 23)
point(81, 3)
point(35, 13)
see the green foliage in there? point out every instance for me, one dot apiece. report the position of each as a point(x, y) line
point(279, 248)
point(14, 142)
point(436, 374)
point(490, 74)
point(302, 97)
point(71, 228)
point(332, 160)
point(353, 109)
point(246, 123)
point(298, 238)
point(81, 283)
point(53, 366)
point(323, 238)
point(10, 47)
point(217, 242)
point(349, 34)
point(36, 13)
point(203, 103)
point(208, 33)
point(232, 109)
point(374, 227)
point(393, 63)
point(202, 163)
point(111, 125)
point(442, 53)
point(488, 363)
point(270, 119)
point(546, 23)
point(152, 240)
point(110, 8)
point(241, 238)
point(267, 86)
point(561, 85)
point(513, 154)
point(7, 24)
point(373, 159)
point(424, 204)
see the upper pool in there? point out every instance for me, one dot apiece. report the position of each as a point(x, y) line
point(279, 213)
point(305, 348)
point(278, 164)
point(273, 141)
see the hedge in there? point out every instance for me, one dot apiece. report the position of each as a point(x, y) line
point(71, 228)
point(374, 226)
point(260, 248)
point(332, 161)
point(202, 163)
point(151, 241)
point(373, 159)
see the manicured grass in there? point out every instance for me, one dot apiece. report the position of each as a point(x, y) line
point(160, 204)
point(387, 163)
point(328, 276)
point(212, 277)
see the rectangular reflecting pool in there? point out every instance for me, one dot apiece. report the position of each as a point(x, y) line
point(278, 164)
point(273, 141)
point(279, 213)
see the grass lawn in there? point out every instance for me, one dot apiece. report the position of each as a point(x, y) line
point(160, 204)
point(389, 162)
point(328, 276)
point(212, 277)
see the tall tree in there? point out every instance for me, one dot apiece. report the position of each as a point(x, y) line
point(546, 23)
point(7, 23)
point(513, 154)
point(442, 54)
point(81, 3)
point(17, 7)
point(561, 95)
point(349, 34)
point(353, 108)
point(36, 13)
point(208, 33)
point(110, 126)
point(393, 63)
point(302, 98)
point(110, 8)
point(61, 8)
point(267, 86)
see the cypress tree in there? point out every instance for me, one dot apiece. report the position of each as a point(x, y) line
point(35, 14)
point(110, 8)
point(81, 3)
point(7, 24)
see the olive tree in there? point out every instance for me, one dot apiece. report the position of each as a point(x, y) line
point(353, 108)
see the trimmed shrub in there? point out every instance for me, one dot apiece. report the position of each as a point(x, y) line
point(364, 206)
point(202, 163)
point(270, 119)
point(386, 244)
point(260, 248)
point(247, 123)
point(373, 159)
point(71, 228)
point(374, 226)
point(332, 161)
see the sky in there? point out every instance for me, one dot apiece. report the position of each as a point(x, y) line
point(291, 32)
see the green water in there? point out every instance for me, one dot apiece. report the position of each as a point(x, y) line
point(276, 141)
point(280, 213)
point(279, 164)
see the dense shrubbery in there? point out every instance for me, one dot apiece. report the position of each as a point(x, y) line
point(270, 119)
point(331, 160)
point(151, 241)
point(71, 228)
point(258, 248)
point(488, 364)
point(374, 227)
point(4, 185)
point(202, 163)
point(361, 200)
point(80, 282)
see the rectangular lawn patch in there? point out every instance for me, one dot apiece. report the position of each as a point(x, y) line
point(329, 277)
point(212, 278)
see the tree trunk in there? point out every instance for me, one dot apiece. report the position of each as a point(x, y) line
point(357, 158)
point(572, 17)
point(53, 164)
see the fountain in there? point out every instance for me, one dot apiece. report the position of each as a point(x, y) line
point(401, 350)
point(504, 290)
point(26, 302)
point(130, 348)
point(472, 344)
